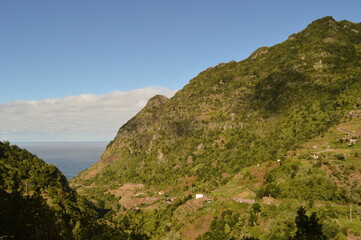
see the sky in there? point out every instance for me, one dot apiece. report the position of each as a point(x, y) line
point(78, 70)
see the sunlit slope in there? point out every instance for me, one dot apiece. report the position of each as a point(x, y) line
point(239, 114)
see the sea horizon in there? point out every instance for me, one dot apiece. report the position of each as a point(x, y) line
point(70, 157)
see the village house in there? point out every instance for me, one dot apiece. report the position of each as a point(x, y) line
point(199, 195)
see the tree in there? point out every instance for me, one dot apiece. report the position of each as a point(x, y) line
point(308, 228)
point(249, 238)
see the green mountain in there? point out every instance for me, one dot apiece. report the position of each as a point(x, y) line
point(239, 113)
point(235, 134)
point(265, 148)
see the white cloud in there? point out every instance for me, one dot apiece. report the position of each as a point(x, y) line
point(73, 118)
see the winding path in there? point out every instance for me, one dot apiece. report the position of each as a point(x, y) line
point(348, 132)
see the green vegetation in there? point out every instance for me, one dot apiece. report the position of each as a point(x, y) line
point(308, 227)
point(229, 223)
point(261, 141)
point(255, 136)
point(237, 114)
point(37, 202)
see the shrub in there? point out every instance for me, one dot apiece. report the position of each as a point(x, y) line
point(340, 157)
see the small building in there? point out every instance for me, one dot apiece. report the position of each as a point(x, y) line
point(199, 195)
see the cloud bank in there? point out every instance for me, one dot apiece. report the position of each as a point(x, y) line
point(74, 118)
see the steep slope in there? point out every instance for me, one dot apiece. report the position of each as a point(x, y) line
point(239, 113)
point(324, 175)
point(258, 138)
point(37, 202)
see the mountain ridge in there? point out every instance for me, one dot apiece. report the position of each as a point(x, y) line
point(233, 138)
point(218, 98)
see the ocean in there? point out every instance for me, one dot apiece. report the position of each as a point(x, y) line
point(70, 157)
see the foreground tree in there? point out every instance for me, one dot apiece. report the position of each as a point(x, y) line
point(308, 228)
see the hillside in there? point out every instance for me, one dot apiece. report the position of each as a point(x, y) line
point(323, 174)
point(225, 135)
point(37, 202)
point(240, 113)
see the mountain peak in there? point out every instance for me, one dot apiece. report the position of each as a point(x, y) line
point(327, 19)
point(237, 114)
point(322, 25)
point(258, 52)
point(156, 101)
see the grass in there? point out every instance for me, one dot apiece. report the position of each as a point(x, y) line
point(353, 226)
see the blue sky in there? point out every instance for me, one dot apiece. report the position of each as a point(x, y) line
point(55, 49)
point(61, 48)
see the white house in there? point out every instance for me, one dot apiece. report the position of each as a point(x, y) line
point(199, 195)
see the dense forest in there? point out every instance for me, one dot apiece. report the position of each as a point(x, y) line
point(37, 202)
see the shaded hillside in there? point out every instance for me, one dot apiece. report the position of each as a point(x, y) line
point(37, 202)
point(239, 113)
